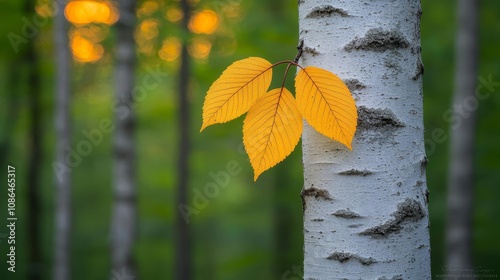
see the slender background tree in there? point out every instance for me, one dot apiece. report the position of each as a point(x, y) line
point(36, 154)
point(462, 140)
point(124, 219)
point(11, 111)
point(183, 244)
point(63, 217)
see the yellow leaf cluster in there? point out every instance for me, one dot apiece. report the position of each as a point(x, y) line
point(273, 125)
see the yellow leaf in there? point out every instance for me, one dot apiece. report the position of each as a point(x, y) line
point(326, 104)
point(271, 129)
point(236, 90)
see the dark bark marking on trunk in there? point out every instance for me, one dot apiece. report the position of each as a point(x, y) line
point(304, 206)
point(373, 119)
point(355, 225)
point(379, 40)
point(421, 246)
point(326, 11)
point(355, 172)
point(423, 164)
point(317, 193)
point(344, 257)
point(408, 211)
point(354, 85)
point(317, 220)
point(311, 51)
point(418, 183)
point(419, 71)
point(346, 214)
point(395, 277)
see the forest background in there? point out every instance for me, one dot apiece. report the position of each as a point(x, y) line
point(247, 230)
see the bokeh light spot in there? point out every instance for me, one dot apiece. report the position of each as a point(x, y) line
point(170, 49)
point(174, 14)
point(200, 48)
point(204, 22)
point(85, 50)
point(147, 9)
point(85, 12)
point(149, 28)
point(44, 10)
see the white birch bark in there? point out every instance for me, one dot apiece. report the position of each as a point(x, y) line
point(365, 210)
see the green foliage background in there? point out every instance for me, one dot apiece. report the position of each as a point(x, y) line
point(249, 230)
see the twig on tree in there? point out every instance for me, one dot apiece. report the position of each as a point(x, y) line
point(300, 49)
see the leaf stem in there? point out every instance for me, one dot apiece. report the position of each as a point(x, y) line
point(284, 77)
point(287, 61)
point(290, 63)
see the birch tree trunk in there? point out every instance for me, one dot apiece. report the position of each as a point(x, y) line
point(62, 253)
point(124, 219)
point(365, 210)
point(460, 176)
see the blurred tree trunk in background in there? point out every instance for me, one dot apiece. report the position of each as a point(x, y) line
point(461, 167)
point(365, 210)
point(10, 115)
point(124, 218)
point(183, 244)
point(35, 153)
point(283, 221)
point(62, 254)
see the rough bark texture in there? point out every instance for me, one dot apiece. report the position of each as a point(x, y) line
point(124, 219)
point(365, 210)
point(183, 244)
point(62, 254)
point(460, 177)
